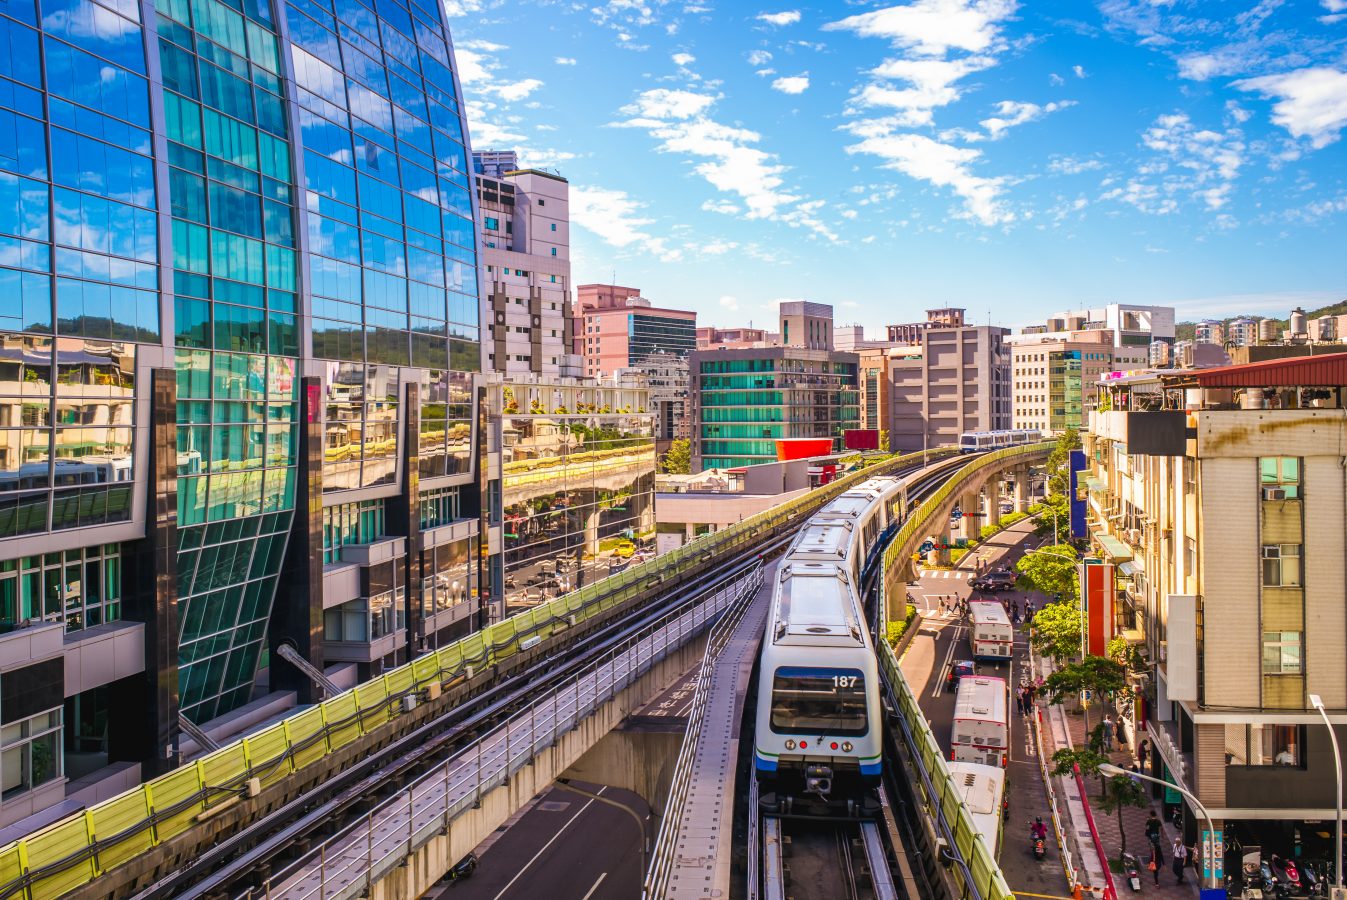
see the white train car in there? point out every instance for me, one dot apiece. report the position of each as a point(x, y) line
point(818, 739)
point(980, 731)
point(982, 789)
point(980, 441)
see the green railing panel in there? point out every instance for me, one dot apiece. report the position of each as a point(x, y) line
point(121, 815)
point(268, 754)
point(306, 737)
point(56, 843)
point(176, 798)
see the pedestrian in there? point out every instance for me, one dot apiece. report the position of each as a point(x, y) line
point(1019, 704)
point(1155, 863)
point(1153, 829)
point(1144, 753)
point(1180, 853)
point(1028, 698)
point(1107, 732)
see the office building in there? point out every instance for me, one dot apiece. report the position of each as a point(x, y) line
point(577, 482)
point(1209, 331)
point(959, 381)
point(1218, 494)
point(745, 401)
point(873, 383)
point(910, 333)
point(1055, 383)
point(806, 324)
point(239, 271)
point(710, 338)
point(666, 376)
point(615, 328)
point(1126, 325)
point(495, 163)
point(525, 222)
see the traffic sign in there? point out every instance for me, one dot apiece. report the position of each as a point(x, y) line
point(926, 547)
point(956, 514)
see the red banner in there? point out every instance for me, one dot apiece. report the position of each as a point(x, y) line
point(1097, 594)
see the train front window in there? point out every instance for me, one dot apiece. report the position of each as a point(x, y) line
point(818, 701)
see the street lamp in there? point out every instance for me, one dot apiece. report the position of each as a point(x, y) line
point(1112, 771)
point(1318, 703)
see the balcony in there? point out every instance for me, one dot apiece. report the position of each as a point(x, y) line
point(364, 630)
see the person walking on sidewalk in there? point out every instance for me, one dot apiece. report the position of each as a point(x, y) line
point(1156, 862)
point(1180, 859)
point(1153, 830)
point(1144, 753)
point(1019, 703)
point(1107, 733)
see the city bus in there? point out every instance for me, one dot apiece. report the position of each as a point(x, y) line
point(990, 634)
point(982, 789)
point(980, 733)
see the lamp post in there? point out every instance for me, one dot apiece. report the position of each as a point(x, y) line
point(1112, 771)
point(1318, 703)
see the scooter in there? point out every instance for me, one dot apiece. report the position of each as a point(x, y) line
point(1132, 871)
point(1272, 886)
point(1288, 874)
point(1037, 844)
point(463, 868)
point(1315, 885)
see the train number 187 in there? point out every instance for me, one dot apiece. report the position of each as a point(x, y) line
point(844, 681)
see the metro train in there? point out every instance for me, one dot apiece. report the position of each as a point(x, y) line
point(817, 747)
point(979, 441)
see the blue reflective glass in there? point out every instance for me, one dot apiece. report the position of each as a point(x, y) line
point(18, 53)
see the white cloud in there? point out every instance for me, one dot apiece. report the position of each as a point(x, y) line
point(933, 27)
point(724, 207)
point(759, 58)
point(1079, 71)
point(789, 17)
point(730, 159)
point(1310, 103)
point(1069, 165)
point(1010, 113)
point(1055, 80)
point(1334, 6)
point(1188, 163)
point(763, 73)
point(944, 166)
point(511, 91)
point(729, 303)
point(565, 60)
point(683, 59)
point(461, 7)
point(667, 103)
point(792, 84)
point(615, 218)
point(931, 85)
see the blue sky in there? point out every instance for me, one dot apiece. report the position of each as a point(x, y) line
point(1011, 158)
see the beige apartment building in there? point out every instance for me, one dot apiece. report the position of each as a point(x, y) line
point(1220, 494)
point(1053, 383)
point(956, 379)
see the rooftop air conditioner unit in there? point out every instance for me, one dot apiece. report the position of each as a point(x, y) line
point(1271, 493)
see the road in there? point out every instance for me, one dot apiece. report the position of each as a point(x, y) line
point(563, 847)
point(944, 639)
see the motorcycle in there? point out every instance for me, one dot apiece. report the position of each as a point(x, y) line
point(1132, 871)
point(463, 868)
point(1315, 884)
point(1288, 874)
point(1271, 885)
point(1037, 844)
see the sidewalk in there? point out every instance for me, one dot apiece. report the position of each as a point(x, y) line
point(1133, 819)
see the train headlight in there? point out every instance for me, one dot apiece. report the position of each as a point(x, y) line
point(790, 745)
point(833, 745)
point(846, 746)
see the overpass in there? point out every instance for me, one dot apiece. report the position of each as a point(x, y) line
point(245, 809)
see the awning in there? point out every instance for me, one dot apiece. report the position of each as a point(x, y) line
point(1115, 549)
point(1128, 569)
point(1096, 484)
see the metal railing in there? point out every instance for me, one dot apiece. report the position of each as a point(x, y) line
point(936, 790)
point(75, 850)
point(666, 842)
point(351, 862)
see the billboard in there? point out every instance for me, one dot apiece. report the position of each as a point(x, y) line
point(1076, 466)
point(1097, 599)
point(803, 448)
point(860, 439)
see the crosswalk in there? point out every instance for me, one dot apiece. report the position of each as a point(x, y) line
point(946, 573)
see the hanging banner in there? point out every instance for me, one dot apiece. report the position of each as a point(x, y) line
point(1076, 496)
point(1097, 597)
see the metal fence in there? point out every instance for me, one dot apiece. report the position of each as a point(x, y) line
point(79, 848)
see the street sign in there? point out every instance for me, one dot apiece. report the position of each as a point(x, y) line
point(926, 547)
point(956, 514)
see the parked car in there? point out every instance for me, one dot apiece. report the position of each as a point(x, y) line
point(995, 580)
point(958, 669)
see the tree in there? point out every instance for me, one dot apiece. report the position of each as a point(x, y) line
point(1051, 570)
point(1056, 630)
point(884, 440)
point(1059, 478)
point(678, 458)
point(1120, 792)
point(1097, 674)
point(1054, 517)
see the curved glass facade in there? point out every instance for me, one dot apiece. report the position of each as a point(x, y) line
point(279, 190)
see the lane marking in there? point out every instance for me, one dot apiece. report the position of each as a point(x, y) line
point(560, 830)
point(595, 887)
point(1045, 896)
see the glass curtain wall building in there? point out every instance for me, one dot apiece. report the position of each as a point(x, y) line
point(238, 280)
point(746, 400)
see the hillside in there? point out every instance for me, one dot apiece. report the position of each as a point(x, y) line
point(1183, 331)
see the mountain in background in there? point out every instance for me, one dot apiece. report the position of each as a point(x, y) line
point(1183, 331)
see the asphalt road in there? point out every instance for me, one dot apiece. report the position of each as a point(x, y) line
point(944, 639)
point(565, 847)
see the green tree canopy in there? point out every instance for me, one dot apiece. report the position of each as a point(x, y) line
point(1051, 570)
point(677, 459)
point(1054, 516)
point(1058, 473)
point(1099, 675)
point(1056, 630)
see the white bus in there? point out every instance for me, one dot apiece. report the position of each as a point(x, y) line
point(982, 789)
point(990, 634)
point(980, 733)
